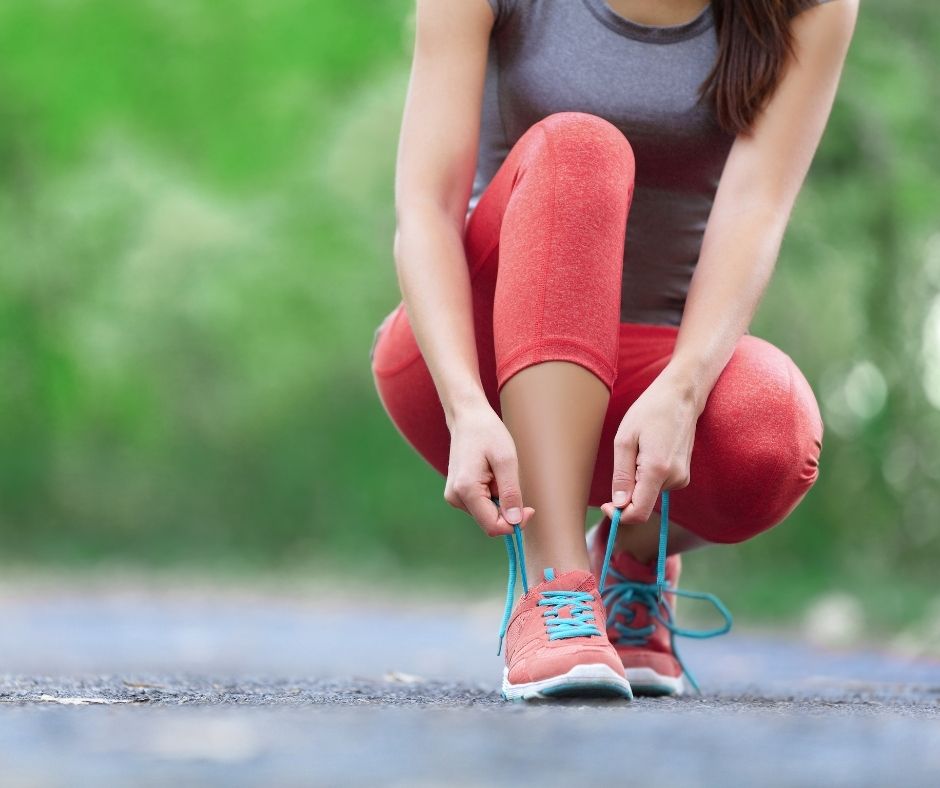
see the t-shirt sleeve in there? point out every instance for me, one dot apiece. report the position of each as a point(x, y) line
point(502, 10)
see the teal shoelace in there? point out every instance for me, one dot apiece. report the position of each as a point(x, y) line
point(618, 598)
point(580, 606)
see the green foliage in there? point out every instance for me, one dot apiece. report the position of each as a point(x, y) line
point(196, 222)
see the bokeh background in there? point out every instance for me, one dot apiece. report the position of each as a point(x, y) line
point(196, 222)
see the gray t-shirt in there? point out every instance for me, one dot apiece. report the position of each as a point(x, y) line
point(550, 56)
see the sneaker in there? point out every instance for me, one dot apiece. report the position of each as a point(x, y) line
point(641, 618)
point(556, 643)
point(636, 627)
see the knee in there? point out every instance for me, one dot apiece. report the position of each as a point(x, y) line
point(778, 470)
point(590, 147)
point(586, 130)
point(771, 442)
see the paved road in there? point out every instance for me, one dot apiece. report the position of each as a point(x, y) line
point(136, 685)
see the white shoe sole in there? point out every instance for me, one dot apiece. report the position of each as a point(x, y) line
point(646, 681)
point(582, 681)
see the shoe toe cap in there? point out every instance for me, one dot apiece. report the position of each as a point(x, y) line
point(556, 660)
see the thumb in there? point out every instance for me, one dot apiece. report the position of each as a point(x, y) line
point(624, 479)
point(506, 470)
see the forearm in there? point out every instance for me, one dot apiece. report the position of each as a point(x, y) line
point(738, 256)
point(435, 286)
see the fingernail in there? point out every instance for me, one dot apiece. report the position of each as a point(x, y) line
point(620, 498)
point(514, 516)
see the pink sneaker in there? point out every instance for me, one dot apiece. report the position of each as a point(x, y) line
point(641, 623)
point(556, 643)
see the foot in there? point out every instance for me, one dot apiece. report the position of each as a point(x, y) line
point(557, 644)
point(637, 625)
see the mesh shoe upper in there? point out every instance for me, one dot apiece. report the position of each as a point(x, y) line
point(534, 654)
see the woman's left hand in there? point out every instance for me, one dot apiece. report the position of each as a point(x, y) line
point(652, 449)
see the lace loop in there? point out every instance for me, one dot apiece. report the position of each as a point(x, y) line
point(623, 594)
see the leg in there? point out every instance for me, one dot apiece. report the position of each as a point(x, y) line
point(545, 246)
point(556, 444)
point(555, 410)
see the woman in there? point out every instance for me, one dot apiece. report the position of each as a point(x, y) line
point(590, 200)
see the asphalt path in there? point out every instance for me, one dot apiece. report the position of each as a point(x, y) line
point(132, 683)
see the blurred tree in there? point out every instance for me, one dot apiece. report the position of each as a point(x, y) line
point(196, 221)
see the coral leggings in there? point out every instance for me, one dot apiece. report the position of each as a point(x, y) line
point(545, 249)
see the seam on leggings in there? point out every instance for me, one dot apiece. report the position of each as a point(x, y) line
point(791, 415)
point(550, 344)
point(385, 372)
point(793, 404)
point(584, 363)
point(543, 274)
point(484, 258)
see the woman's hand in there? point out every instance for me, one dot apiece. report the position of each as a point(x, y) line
point(652, 449)
point(482, 464)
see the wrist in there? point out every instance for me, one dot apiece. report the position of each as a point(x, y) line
point(689, 381)
point(464, 403)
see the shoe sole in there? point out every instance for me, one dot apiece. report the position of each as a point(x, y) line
point(646, 681)
point(582, 681)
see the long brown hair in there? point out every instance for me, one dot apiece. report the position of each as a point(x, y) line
point(754, 42)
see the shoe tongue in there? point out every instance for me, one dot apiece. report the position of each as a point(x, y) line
point(629, 567)
point(572, 580)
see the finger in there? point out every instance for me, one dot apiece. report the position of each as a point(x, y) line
point(504, 527)
point(453, 498)
point(649, 483)
point(624, 479)
point(527, 514)
point(609, 509)
point(506, 470)
point(484, 511)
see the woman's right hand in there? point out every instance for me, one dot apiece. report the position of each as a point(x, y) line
point(483, 464)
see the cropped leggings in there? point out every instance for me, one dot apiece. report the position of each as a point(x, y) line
point(545, 249)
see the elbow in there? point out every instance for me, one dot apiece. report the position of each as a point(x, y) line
point(765, 211)
point(396, 246)
point(418, 220)
point(402, 241)
point(405, 238)
point(416, 207)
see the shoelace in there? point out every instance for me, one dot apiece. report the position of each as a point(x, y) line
point(581, 608)
point(617, 598)
point(622, 594)
point(516, 555)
